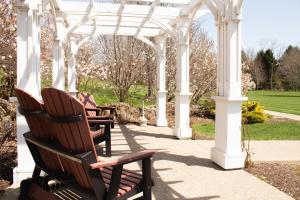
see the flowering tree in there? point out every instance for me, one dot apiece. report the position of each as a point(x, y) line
point(125, 61)
point(8, 44)
point(247, 79)
point(202, 65)
point(87, 66)
point(150, 73)
point(47, 36)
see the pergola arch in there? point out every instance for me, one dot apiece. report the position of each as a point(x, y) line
point(92, 36)
point(75, 46)
point(142, 19)
point(163, 26)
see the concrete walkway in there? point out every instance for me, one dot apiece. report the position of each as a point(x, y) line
point(182, 169)
point(283, 115)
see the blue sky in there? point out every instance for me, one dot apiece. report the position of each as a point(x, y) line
point(266, 23)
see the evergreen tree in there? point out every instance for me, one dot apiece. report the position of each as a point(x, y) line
point(269, 65)
point(258, 71)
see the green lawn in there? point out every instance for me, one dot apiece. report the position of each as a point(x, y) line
point(266, 131)
point(104, 94)
point(280, 101)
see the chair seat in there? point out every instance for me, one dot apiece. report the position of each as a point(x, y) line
point(129, 180)
point(97, 133)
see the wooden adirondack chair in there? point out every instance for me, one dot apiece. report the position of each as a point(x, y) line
point(39, 126)
point(93, 110)
point(79, 172)
point(98, 135)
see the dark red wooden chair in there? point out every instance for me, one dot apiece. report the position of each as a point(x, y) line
point(81, 174)
point(39, 126)
point(98, 135)
point(94, 111)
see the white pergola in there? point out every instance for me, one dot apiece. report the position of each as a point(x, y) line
point(142, 19)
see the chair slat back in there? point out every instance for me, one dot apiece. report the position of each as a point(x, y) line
point(88, 102)
point(74, 137)
point(39, 127)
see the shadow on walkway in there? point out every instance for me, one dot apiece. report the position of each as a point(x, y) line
point(163, 189)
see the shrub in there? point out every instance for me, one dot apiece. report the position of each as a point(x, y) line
point(253, 112)
point(207, 109)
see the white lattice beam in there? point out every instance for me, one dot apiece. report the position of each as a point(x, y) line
point(149, 15)
point(159, 15)
point(165, 1)
point(80, 8)
point(191, 6)
point(212, 7)
point(110, 30)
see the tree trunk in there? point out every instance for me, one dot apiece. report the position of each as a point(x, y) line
point(271, 78)
point(149, 73)
point(150, 80)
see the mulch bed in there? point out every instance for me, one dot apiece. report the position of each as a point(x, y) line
point(283, 175)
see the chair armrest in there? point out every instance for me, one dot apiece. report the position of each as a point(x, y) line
point(111, 109)
point(98, 118)
point(92, 109)
point(106, 107)
point(123, 160)
point(100, 122)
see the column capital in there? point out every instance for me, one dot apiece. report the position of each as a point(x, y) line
point(60, 27)
point(227, 19)
point(160, 44)
point(73, 48)
point(182, 30)
point(160, 38)
point(58, 40)
point(232, 12)
point(23, 8)
point(27, 4)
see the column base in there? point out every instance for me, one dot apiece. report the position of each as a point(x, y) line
point(20, 174)
point(73, 93)
point(161, 122)
point(227, 161)
point(183, 133)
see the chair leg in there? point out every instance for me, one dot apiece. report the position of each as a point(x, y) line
point(36, 172)
point(107, 140)
point(147, 179)
point(112, 125)
point(108, 147)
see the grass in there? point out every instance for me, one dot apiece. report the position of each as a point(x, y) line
point(104, 94)
point(287, 130)
point(280, 101)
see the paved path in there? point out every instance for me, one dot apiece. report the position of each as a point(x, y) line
point(182, 169)
point(283, 115)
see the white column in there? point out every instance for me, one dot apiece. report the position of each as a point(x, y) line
point(58, 57)
point(72, 74)
point(58, 65)
point(227, 151)
point(28, 78)
point(182, 102)
point(161, 98)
